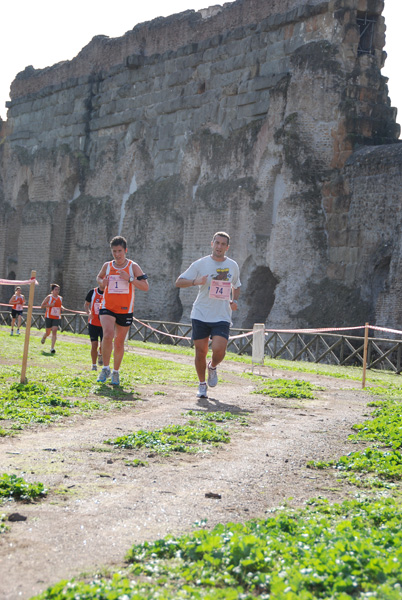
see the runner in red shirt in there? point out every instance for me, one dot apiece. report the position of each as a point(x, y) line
point(92, 306)
point(17, 301)
point(119, 278)
point(53, 303)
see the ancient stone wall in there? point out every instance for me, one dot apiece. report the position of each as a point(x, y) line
point(247, 117)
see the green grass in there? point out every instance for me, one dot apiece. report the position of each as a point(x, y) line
point(287, 388)
point(11, 347)
point(36, 402)
point(137, 462)
point(61, 385)
point(216, 417)
point(341, 551)
point(174, 438)
point(381, 463)
point(384, 427)
point(199, 432)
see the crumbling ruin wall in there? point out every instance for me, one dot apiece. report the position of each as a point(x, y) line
point(248, 118)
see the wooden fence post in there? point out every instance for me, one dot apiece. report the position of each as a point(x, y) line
point(366, 330)
point(258, 344)
point(28, 326)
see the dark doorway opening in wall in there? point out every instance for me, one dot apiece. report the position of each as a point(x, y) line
point(380, 281)
point(259, 295)
point(366, 23)
point(8, 290)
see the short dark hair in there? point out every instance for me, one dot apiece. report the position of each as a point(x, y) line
point(118, 240)
point(54, 285)
point(222, 234)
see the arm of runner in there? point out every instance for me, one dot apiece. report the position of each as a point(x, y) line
point(141, 279)
point(45, 301)
point(184, 283)
point(235, 297)
point(100, 278)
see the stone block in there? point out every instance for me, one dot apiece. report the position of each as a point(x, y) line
point(134, 61)
point(255, 109)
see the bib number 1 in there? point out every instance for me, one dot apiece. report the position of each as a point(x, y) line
point(118, 285)
point(220, 290)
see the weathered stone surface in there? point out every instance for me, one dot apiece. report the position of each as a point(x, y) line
point(259, 117)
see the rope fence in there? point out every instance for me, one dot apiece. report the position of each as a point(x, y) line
point(326, 344)
point(337, 346)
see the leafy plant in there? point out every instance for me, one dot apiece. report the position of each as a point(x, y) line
point(216, 416)
point(3, 526)
point(36, 402)
point(173, 438)
point(385, 429)
point(136, 463)
point(341, 551)
point(286, 388)
point(385, 426)
point(16, 488)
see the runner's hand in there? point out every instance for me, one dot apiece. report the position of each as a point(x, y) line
point(200, 280)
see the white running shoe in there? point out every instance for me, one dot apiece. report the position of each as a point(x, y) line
point(100, 360)
point(115, 378)
point(202, 390)
point(212, 376)
point(94, 368)
point(104, 374)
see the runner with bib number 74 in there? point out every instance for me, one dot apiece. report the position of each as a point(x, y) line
point(218, 281)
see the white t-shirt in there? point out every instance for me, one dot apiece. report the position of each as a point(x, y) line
point(212, 309)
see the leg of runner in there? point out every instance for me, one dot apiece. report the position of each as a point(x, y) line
point(94, 352)
point(108, 326)
point(200, 359)
point(218, 347)
point(119, 340)
point(54, 337)
point(46, 334)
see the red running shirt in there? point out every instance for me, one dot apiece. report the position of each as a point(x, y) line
point(118, 296)
point(53, 307)
point(94, 305)
point(18, 303)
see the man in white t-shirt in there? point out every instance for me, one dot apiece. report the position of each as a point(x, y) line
point(218, 281)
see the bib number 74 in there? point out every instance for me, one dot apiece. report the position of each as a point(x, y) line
point(220, 290)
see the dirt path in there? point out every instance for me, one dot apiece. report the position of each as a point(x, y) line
point(98, 506)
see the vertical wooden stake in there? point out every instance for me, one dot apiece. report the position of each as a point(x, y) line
point(366, 329)
point(258, 344)
point(28, 326)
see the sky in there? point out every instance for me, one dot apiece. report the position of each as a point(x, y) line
point(43, 32)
